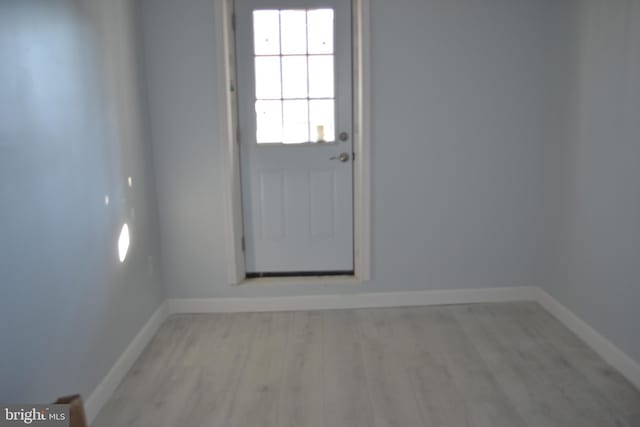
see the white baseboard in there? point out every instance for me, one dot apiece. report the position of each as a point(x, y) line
point(107, 386)
point(617, 358)
point(344, 301)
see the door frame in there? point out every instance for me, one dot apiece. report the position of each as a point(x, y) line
point(228, 137)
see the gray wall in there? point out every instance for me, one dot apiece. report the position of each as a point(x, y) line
point(70, 133)
point(461, 133)
point(598, 273)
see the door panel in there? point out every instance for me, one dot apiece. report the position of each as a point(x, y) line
point(322, 194)
point(296, 219)
point(294, 100)
point(272, 206)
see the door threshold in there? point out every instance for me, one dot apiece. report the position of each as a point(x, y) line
point(347, 278)
point(299, 274)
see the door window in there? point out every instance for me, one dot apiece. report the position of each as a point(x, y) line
point(294, 75)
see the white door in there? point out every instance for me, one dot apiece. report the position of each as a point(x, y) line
point(295, 119)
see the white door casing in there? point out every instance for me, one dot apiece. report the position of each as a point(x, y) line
point(297, 194)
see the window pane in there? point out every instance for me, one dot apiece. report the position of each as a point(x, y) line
point(294, 31)
point(268, 77)
point(320, 25)
point(321, 113)
point(294, 76)
point(268, 121)
point(321, 76)
point(296, 122)
point(266, 32)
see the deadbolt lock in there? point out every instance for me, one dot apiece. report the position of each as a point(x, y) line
point(343, 136)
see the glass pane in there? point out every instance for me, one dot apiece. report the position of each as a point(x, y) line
point(294, 77)
point(296, 122)
point(268, 77)
point(321, 76)
point(268, 121)
point(266, 32)
point(294, 31)
point(320, 23)
point(321, 114)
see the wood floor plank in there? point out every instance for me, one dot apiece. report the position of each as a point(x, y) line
point(257, 397)
point(302, 401)
point(222, 362)
point(487, 404)
point(347, 400)
point(440, 401)
point(386, 355)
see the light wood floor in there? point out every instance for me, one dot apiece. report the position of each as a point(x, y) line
point(483, 365)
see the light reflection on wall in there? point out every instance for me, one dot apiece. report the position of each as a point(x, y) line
point(123, 243)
